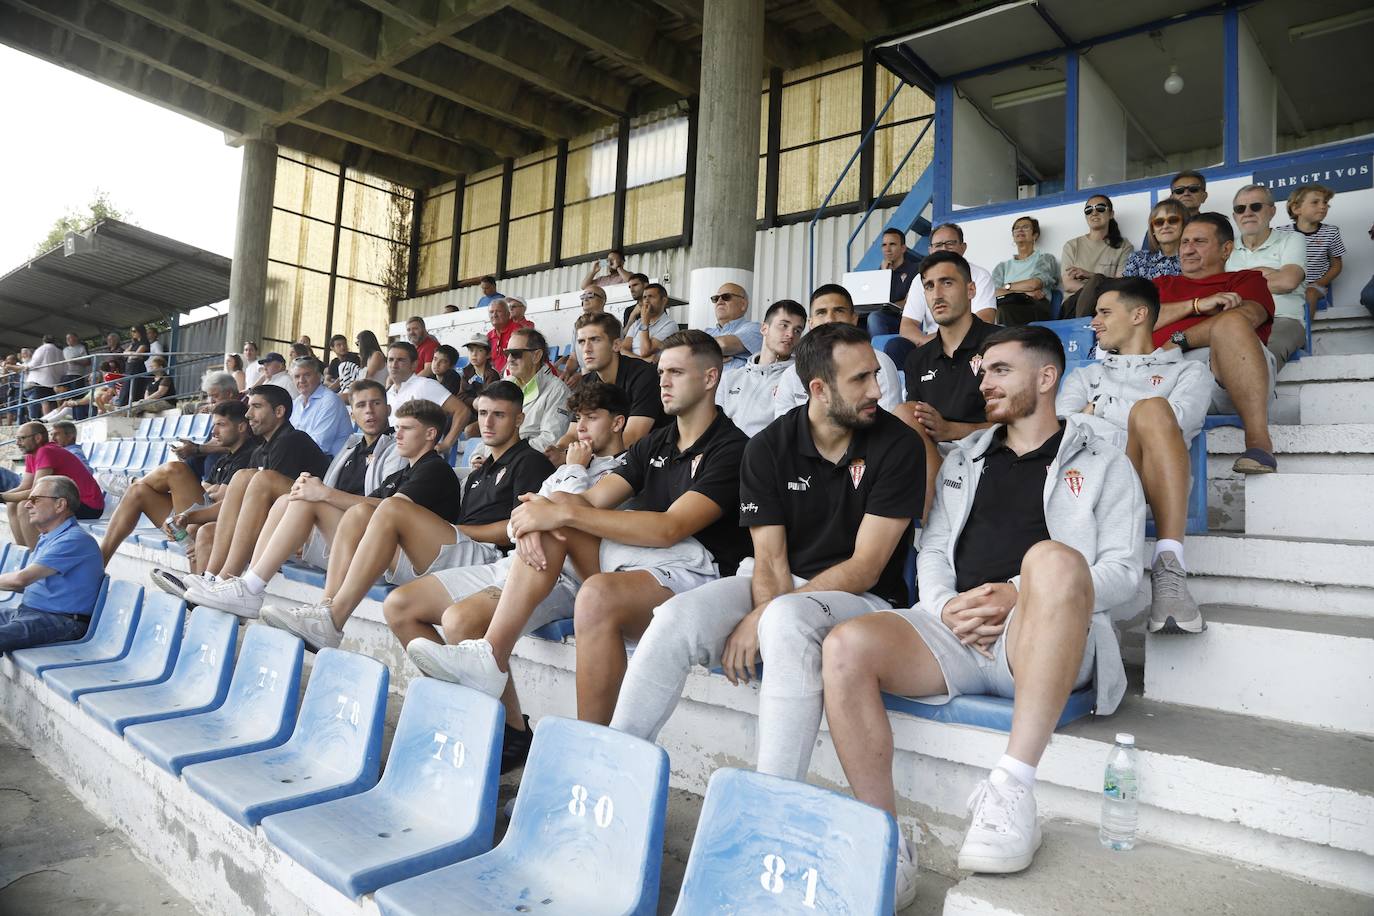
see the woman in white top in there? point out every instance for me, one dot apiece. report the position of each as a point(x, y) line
point(252, 372)
point(1098, 254)
point(233, 364)
point(374, 360)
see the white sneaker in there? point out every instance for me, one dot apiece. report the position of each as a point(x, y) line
point(176, 585)
point(1005, 832)
point(313, 623)
point(470, 663)
point(229, 594)
point(907, 873)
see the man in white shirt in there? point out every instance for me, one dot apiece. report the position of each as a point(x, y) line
point(45, 372)
point(649, 325)
point(746, 392)
point(401, 357)
point(832, 302)
point(918, 324)
point(75, 369)
point(274, 372)
point(1282, 257)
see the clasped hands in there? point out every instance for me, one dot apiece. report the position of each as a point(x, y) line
point(978, 616)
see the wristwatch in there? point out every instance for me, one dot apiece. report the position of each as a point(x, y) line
point(1180, 340)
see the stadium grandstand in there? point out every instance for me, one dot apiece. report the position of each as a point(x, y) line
point(531, 533)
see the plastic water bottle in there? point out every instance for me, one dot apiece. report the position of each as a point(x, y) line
point(1120, 795)
point(178, 532)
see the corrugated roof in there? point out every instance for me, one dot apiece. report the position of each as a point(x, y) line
point(108, 277)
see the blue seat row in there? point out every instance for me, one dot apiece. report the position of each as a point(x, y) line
point(187, 426)
point(132, 456)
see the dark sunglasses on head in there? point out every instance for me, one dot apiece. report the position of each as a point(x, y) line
point(1096, 208)
point(1254, 207)
point(1166, 221)
point(1186, 189)
point(723, 297)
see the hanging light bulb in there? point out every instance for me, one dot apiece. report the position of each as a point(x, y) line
point(1173, 83)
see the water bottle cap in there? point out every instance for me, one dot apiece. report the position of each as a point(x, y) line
point(1125, 738)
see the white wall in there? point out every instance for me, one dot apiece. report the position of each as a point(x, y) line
point(985, 165)
point(1259, 99)
point(1101, 130)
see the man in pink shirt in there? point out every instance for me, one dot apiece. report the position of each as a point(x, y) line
point(42, 458)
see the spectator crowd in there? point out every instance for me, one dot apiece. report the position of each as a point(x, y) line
point(747, 491)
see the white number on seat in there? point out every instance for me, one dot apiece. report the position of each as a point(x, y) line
point(207, 654)
point(458, 752)
point(267, 679)
point(773, 867)
point(345, 712)
point(160, 635)
point(603, 812)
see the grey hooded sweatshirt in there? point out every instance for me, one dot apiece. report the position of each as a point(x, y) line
point(1093, 503)
point(1114, 386)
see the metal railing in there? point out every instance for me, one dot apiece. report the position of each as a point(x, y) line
point(849, 244)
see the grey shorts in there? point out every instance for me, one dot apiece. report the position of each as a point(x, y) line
point(462, 581)
point(679, 568)
point(969, 671)
point(464, 552)
point(315, 553)
point(1221, 401)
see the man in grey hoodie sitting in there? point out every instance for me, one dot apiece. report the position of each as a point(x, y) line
point(1151, 403)
point(1037, 530)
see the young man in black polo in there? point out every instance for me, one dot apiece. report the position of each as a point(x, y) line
point(682, 532)
point(827, 494)
point(173, 494)
point(597, 333)
point(943, 403)
point(284, 454)
point(306, 519)
point(419, 525)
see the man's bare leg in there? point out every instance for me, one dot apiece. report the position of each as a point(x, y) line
point(213, 560)
point(526, 586)
point(289, 526)
point(142, 498)
point(205, 542)
point(262, 491)
point(469, 619)
point(610, 608)
point(860, 660)
point(347, 537)
point(1239, 364)
point(1045, 643)
point(1155, 446)
point(396, 523)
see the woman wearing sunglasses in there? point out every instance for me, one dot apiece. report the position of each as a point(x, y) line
point(1098, 254)
point(1160, 257)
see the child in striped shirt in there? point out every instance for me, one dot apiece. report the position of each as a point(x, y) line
point(1308, 205)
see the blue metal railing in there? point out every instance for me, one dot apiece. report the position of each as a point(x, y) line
point(849, 244)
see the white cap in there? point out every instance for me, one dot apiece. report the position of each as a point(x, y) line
point(1125, 738)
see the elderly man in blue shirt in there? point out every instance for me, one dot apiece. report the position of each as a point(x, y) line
point(316, 411)
point(739, 338)
point(61, 581)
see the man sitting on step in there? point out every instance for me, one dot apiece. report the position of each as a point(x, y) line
point(1151, 403)
point(1037, 530)
point(462, 600)
point(1223, 321)
point(683, 531)
point(171, 495)
point(420, 526)
point(306, 519)
point(283, 455)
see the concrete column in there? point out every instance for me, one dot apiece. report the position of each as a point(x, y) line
point(252, 232)
point(727, 178)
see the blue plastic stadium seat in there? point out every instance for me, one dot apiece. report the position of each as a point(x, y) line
point(298, 572)
point(986, 711)
point(145, 427)
point(771, 845)
point(199, 681)
point(1222, 419)
point(124, 449)
point(102, 455)
point(335, 751)
point(882, 340)
point(258, 712)
point(148, 661)
point(201, 424)
point(13, 560)
point(139, 456)
point(179, 428)
point(107, 637)
point(586, 835)
point(557, 630)
point(435, 805)
point(1076, 334)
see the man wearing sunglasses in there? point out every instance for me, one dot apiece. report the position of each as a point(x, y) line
point(739, 338)
point(1223, 319)
point(546, 416)
point(1189, 189)
point(61, 580)
point(1281, 256)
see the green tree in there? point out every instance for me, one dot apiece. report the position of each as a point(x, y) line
point(78, 219)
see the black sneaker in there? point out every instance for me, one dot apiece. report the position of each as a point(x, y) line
point(168, 582)
point(515, 747)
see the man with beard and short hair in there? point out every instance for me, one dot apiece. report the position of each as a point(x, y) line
point(1037, 530)
point(43, 458)
point(746, 393)
point(826, 492)
point(681, 532)
point(648, 326)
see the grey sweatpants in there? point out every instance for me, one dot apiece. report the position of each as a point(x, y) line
point(691, 629)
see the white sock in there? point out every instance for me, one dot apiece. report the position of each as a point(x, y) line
point(903, 849)
point(1164, 545)
point(1023, 773)
point(253, 583)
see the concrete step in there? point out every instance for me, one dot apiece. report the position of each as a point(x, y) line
point(1319, 368)
point(1303, 576)
point(1343, 336)
point(1338, 506)
point(1309, 669)
point(1073, 875)
point(1336, 402)
point(1327, 448)
point(1340, 313)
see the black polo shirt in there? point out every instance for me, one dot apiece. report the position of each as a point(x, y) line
point(289, 452)
point(639, 381)
point(659, 474)
point(1008, 514)
point(902, 278)
point(950, 384)
point(227, 464)
point(429, 482)
point(785, 481)
point(493, 490)
point(353, 472)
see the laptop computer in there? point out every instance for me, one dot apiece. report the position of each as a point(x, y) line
point(869, 287)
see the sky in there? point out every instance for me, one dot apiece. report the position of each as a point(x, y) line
point(68, 135)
